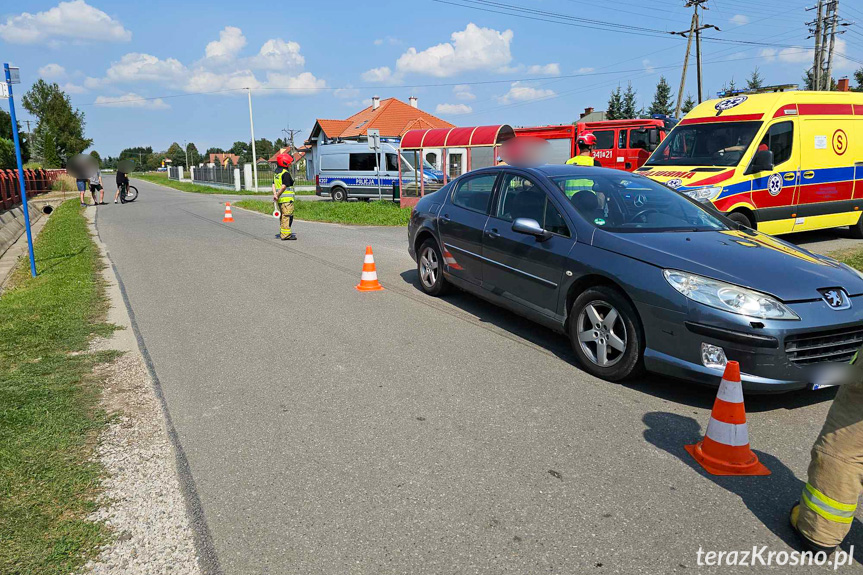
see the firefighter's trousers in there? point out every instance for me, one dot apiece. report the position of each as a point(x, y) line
point(829, 499)
point(286, 208)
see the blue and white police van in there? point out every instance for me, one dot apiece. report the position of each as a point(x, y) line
point(348, 170)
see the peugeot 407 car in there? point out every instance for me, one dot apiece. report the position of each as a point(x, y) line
point(638, 276)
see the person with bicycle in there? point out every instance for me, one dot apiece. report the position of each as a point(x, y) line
point(122, 186)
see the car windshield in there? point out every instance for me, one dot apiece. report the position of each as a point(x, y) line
point(620, 202)
point(707, 144)
point(410, 161)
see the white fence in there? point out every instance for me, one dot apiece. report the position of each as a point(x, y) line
point(228, 177)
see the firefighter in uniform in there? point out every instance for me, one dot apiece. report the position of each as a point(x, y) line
point(826, 509)
point(585, 143)
point(283, 194)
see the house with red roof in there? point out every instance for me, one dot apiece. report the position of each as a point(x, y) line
point(391, 116)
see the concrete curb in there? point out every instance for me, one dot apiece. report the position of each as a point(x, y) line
point(13, 240)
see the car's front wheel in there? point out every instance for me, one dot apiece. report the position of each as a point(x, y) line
point(430, 269)
point(338, 194)
point(606, 334)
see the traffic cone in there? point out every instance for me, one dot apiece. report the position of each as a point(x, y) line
point(725, 447)
point(369, 280)
point(228, 216)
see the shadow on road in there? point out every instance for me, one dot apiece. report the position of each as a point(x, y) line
point(678, 391)
point(768, 498)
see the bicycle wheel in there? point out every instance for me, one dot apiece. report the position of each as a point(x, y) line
point(131, 194)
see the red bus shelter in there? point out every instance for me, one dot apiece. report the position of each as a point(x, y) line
point(480, 142)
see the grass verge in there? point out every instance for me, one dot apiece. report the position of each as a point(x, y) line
point(357, 213)
point(162, 180)
point(852, 257)
point(49, 414)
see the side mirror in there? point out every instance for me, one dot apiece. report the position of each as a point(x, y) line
point(653, 138)
point(530, 227)
point(762, 161)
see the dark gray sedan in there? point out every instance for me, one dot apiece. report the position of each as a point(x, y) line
point(639, 276)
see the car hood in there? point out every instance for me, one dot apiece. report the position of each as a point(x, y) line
point(746, 258)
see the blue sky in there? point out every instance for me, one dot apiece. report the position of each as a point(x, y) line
point(327, 59)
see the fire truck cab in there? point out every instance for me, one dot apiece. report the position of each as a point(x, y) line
point(620, 144)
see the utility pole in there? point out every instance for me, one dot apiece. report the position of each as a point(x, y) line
point(290, 134)
point(186, 146)
point(692, 28)
point(817, 62)
point(254, 152)
point(832, 8)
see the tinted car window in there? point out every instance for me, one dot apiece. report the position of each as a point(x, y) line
point(521, 198)
point(474, 192)
point(362, 162)
point(639, 139)
point(604, 139)
point(779, 139)
point(631, 203)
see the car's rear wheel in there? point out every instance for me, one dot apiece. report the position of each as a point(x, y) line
point(606, 334)
point(430, 269)
point(338, 194)
point(741, 218)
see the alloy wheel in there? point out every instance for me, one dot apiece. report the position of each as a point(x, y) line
point(429, 267)
point(601, 333)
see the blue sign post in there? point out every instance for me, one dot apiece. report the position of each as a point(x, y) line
point(13, 78)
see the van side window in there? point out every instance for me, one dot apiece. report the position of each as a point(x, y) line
point(621, 139)
point(779, 139)
point(639, 139)
point(604, 139)
point(392, 163)
point(473, 193)
point(362, 163)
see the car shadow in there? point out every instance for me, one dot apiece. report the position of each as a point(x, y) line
point(662, 387)
point(768, 498)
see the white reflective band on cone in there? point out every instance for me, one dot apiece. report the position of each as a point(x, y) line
point(736, 435)
point(369, 276)
point(730, 391)
point(369, 259)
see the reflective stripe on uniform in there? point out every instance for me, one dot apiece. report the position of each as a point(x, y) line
point(827, 508)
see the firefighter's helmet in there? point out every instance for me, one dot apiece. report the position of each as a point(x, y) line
point(284, 160)
point(587, 139)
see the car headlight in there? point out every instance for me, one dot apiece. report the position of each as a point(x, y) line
point(704, 194)
point(728, 297)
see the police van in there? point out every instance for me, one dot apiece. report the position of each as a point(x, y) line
point(781, 162)
point(349, 170)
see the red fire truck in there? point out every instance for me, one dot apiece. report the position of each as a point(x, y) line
point(620, 144)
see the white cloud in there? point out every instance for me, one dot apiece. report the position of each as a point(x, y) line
point(740, 19)
point(93, 83)
point(471, 49)
point(301, 85)
point(229, 44)
point(796, 55)
point(76, 21)
point(839, 61)
point(136, 67)
point(648, 67)
point(768, 54)
point(276, 54)
point(206, 81)
point(381, 74)
point(519, 92)
point(546, 70)
point(453, 109)
point(51, 71)
point(388, 40)
point(462, 92)
point(585, 70)
point(346, 92)
point(131, 100)
point(71, 88)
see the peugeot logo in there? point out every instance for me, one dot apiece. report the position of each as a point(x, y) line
point(836, 298)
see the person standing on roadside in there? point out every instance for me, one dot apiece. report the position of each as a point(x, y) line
point(823, 516)
point(122, 184)
point(96, 186)
point(82, 189)
point(283, 194)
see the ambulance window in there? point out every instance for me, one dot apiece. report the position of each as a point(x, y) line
point(779, 139)
point(604, 139)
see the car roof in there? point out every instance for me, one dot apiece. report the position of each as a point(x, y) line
point(556, 170)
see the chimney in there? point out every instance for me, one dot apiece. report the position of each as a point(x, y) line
point(413, 101)
point(376, 102)
point(842, 85)
point(587, 111)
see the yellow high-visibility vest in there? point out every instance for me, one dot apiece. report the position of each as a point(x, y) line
point(288, 194)
point(573, 186)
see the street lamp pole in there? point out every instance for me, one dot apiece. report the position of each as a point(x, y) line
point(254, 152)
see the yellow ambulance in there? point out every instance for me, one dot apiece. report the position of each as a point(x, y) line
point(783, 162)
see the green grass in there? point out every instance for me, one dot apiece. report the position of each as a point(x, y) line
point(852, 257)
point(358, 213)
point(161, 178)
point(49, 403)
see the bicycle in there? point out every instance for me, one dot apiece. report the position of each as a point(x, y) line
point(130, 194)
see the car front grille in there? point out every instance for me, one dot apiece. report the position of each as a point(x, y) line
point(838, 345)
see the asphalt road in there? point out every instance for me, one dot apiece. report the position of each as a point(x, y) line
point(333, 431)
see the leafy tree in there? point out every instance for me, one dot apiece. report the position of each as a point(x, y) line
point(858, 77)
point(95, 155)
point(264, 148)
point(56, 116)
point(809, 80)
point(7, 155)
point(138, 153)
point(688, 104)
point(176, 154)
point(615, 105)
point(48, 146)
point(242, 149)
point(629, 107)
point(661, 99)
point(213, 151)
point(755, 80)
point(6, 133)
point(194, 155)
point(280, 143)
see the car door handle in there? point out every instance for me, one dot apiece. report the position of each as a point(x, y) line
point(445, 219)
point(492, 233)
point(808, 174)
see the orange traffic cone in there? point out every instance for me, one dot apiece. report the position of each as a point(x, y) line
point(725, 447)
point(369, 280)
point(228, 216)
